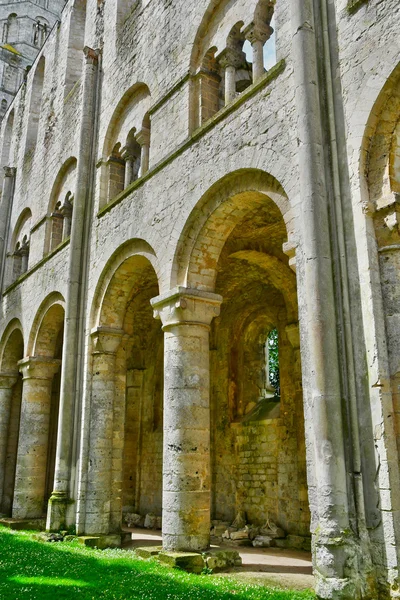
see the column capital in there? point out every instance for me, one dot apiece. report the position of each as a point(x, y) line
point(126, 153)
point(9, 171)
point(258, 32)
point(7, 380)
point(39, 367)
point(143, 137)
point(231, 57)
point(66, 208)
point(91, 56)
point(182, 306)
point(106, 340)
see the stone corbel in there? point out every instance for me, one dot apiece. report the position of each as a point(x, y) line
point(289, 248)
point(293, 335)
point(106, 340)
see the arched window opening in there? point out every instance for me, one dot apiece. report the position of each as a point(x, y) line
point(61, 220)
point(60, 207)
point(131, 155)
point(18, 256)
point(126, 149)
point(76, 43)
point(10, 29)
point(272, 377)
point(39, 31)
point(129, 163)
point(21, 258)
point(5, 154)
point(239, 56)
point(4, 105)
point(210, 90)
point(116, 172)
point(35, 105)
point(56, 226)
point(66, 212)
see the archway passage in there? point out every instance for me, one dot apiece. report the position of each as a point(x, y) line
point(133, 431)
point(39, 416)
point(10, 410)
point(257, 430)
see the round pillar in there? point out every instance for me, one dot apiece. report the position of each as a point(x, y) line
point(143, 139)
point(186, 315)
point(7, 381)
point(30, 478)
point(98, 498)
point(257, 34)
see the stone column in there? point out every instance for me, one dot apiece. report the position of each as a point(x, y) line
point(66, 212)
point(129, 160)
point(98, 497)
point(143, 139)
point(337, 568)
point(5, 211)
point(186, 315)
point(30, 478)
point(257, 34)
point(24, 253)
point(72, 357)
point(230, 60)
point(7, 381)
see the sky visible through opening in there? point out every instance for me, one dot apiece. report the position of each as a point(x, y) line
point(269, 50)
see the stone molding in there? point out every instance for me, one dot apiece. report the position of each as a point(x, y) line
point(183, 305)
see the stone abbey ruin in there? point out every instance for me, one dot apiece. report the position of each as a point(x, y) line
point(200, 276)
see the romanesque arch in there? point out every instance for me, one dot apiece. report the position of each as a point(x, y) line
point(219, 65)
point(19, 247)
point(41, 371)
point(11, 352)
point(35, 105)
point(233, 246)
point(126, 144)
point(76, 42)
point(126, 394)
point(60, 208)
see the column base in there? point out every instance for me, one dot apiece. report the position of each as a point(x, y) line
point(341, 570)
point(185, 543)
point(56, 511)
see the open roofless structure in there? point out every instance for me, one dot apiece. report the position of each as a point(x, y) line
point(190, 188)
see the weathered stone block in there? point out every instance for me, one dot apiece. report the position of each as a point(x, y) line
point(187, 561)
point(148, 552)
point(217, 560)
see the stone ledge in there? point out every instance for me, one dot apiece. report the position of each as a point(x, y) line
point(100, 541)
point(19, 524)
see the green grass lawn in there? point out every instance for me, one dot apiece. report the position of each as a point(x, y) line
point(42, 570)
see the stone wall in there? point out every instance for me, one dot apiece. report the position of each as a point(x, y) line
point(225, 207)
